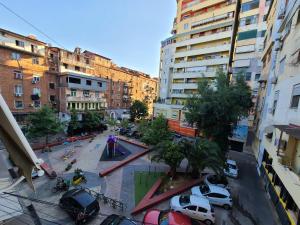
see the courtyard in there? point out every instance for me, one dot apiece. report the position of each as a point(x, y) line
point(120, 184)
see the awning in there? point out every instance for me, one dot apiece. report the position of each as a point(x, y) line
point(291, 129)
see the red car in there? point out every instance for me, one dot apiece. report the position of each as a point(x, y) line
point(157, 217)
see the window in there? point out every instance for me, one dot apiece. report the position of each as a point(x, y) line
point(77, 68)
point(33, 48)
point(191, 207)
point(88, 82)
point(247, 35)
point(19, 89)
point(282, 65)
point(86, 93)
point(36, 79)
point(73, 92)
point(276, 97)
point(200, 209)
point(97, 94)
point(74, 80)
point(52, 85)
point(186, 26)
point(15, 56)
point(87, 61)
point(35, 60)
point(52, 98)
point(19, 104)
point(65, 65)
point(20, 43)
point(248, 20)
point(100, 84)
point(36, 91)
point(37, 104)
point(261, 33)
point(248, 76)
point(250, 5)
point(78, 58)
point(257, 76)
point(18, 74)
point(295, 96)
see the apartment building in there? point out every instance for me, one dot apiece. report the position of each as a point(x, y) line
point(25, 82)
point(277, 141)
point(249, 45)
point(201, 44)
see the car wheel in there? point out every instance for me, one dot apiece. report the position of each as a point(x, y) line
point(208, 222)
point(226, 206)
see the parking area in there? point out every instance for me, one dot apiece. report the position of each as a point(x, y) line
point(251, 204)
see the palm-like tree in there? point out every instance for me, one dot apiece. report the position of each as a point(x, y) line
point(170, 153)
point(202, 154)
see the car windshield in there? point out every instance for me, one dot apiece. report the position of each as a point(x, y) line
point(184, 200)
point(204, 188)
point(163, 218)
point(230, 166)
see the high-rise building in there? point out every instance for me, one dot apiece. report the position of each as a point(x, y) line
point(201, 44)
point(277, 121)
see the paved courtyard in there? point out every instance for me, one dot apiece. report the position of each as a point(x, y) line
point(119, 185)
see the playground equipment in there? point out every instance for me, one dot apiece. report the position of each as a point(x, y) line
point(61, 185)
point(78, 177)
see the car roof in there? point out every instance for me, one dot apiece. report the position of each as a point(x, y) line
point(81, 196)
point(199, 201)
point(220, 190)
point(230, 161)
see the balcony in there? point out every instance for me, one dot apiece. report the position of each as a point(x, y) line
point(202, 51)
point(204, 39)
point(85, 99)
point(208, 62)
point(185, 86)
point(196, 74)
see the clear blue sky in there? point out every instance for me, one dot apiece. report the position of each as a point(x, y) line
point(127, 31)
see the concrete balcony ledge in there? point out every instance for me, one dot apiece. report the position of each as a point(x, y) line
point(198, 74)
point(201, 51)
point(84, 99)
point(208, 62)
point(184, 86)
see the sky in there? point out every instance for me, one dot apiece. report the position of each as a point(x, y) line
point(127, 31)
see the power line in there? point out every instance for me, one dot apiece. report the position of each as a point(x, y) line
point(30, 24)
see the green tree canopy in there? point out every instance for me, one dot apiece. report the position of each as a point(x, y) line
point(156, 132)
point(44, 123)
point(170, 153)
point(74, 123)
point(218, 107)
point(138, 110)
point(91, 120)
point(202, 154)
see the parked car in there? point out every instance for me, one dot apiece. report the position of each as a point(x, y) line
point(231, 169)
point(80, 204)
point(195, 207)
point(216, 195)
point(114, 219)
point(218, 180)
point(157, 217)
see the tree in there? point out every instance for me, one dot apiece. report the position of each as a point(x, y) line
point(91, 120)
point(202, 154)
point(170, 153)
point(73, 124)
point(124, 123)
point(218, 107)
point(44, 123)
point(138, 110)
point(156, 132)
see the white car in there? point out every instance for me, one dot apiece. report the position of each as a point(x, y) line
point(218, 180)
point(232, 169)
point(195, 207)
point(216, 195)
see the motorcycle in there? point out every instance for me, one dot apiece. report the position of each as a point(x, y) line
point(61, 185)
point(79, 177)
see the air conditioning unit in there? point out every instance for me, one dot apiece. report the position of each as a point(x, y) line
point(18, 94)
point(31, 105)
point(33, 81)
point(274, 80)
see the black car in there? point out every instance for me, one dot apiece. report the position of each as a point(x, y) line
point(80, 204)
point(117, 220)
